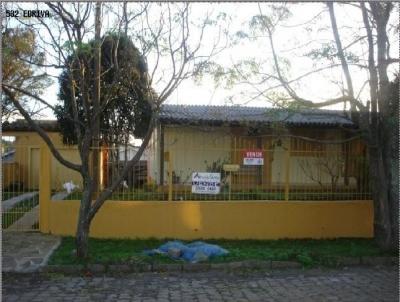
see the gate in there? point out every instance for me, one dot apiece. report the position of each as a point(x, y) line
point(20, 189)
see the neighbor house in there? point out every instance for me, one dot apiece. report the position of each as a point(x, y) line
point(22, 168)
point(21, 163)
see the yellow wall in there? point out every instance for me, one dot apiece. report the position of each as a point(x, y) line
point(213, 219)
point(195, 148)
point(233, 220)
point(61, 174)
point(9, 173)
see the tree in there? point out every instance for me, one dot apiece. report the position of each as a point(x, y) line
point(19, 49)
point(128, 112)
point(169, 40)
point(374, 112)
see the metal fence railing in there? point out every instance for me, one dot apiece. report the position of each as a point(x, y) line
point(243, 169)
point(20, 187)
point(233, 168)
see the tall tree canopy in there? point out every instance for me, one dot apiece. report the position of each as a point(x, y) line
point(20, 55)
point(126, 110)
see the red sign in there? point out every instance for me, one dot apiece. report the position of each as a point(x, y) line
point(253, 154)
point(253, 157)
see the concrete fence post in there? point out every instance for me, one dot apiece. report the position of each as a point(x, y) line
point(44, 189)
point(170, 177)
point(287, 172)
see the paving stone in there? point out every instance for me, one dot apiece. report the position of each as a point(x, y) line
point(195, 267)
point(218, 266)
point(376, 260)
point(260, 264)
point(167, 267)
point(349, 261)
point(285, 264)
point(119, 268)
point(352, 284)
point(26, 251)
point(96, 268)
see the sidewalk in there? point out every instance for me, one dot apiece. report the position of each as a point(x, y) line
point(26, 251)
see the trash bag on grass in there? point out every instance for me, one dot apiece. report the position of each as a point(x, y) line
point(197, 251)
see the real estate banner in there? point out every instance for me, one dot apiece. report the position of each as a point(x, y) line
point(206, 183)
point(253, 157)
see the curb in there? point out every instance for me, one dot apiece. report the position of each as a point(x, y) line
point(202, 267)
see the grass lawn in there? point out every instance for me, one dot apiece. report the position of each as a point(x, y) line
point(307, 252)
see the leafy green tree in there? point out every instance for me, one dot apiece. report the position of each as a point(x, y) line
point(126, 109)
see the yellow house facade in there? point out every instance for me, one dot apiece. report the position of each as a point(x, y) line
point(294, 152)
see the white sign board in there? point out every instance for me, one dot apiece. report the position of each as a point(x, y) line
point(206, 183)
point(251, 161)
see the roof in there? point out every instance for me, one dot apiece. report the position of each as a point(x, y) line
point(236, 115)
point(219, 115)
point(22, 125)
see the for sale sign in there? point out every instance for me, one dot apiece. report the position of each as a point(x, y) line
point(253, 158)
point(206, 183)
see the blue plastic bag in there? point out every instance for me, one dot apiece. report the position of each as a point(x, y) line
point(197, 251)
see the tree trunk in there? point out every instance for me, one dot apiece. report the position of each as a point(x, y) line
point(96, 100)
point(381, 187)
point(82, 239)
point(83, 228)
point(391, 164)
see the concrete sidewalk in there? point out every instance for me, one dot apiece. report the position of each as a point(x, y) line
point(9, 203)
point(26, 251)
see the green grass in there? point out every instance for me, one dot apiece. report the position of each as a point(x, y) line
point(16, 212)
point(307, 252)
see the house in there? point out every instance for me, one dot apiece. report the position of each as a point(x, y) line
point(204, 138)
point(260, 156)
point(273, 150)
point(21, 164)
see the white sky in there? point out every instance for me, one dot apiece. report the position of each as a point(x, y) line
point(316, 87)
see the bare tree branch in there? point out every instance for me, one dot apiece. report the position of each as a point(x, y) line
point(291, 92)
point(41, 132)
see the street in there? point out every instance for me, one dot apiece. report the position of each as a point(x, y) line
point(348, 284)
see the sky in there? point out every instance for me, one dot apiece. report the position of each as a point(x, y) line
point(292, 41)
